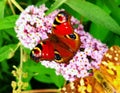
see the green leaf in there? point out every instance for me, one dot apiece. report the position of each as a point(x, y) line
point(50, 77)
point(55, 5)
point(58, 80)
point(33, 67)
point(95, 14)
point(44, 78)
point(5, 66)
point(43, 74)
point(99, 32)
point(2, 7)
point(1, 39)
point(115, 10)
point(5, 36)
point(7, 51)
point(39, 72)
point(117, 40)
point(8, 22)
point(41, 2)
point(11, 32)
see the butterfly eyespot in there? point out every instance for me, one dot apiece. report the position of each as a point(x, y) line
point(58, 58)
point(61, 17)
point(36, 52)
point(72, 36)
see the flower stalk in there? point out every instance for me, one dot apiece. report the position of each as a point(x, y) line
point(19, 85)
point(17, 5)
point(42, 91)
point(12, 9)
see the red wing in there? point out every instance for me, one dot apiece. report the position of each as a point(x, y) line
point(72, 41)
point(62, 28)
point(64, 48)
point(50, 49)
point(62, 25)
point(62, 54)
point(61, 45)
point(43, 51)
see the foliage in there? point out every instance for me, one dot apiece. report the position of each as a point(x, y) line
point(101, 18)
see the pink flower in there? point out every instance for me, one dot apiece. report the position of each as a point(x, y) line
point(31, 27)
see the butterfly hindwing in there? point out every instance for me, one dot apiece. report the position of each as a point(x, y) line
point(43, 51)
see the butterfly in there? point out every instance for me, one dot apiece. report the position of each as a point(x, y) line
point(106, 79)
point(61, 45)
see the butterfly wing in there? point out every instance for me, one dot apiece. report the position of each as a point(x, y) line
point(89, 84)
point(83, 85)
point(104, 80)
point(61, 24)
point(61, 50)
point(51, 49)
point(72, 41)
point(61, 45)
point(63, 29)
point(43, 51)
point(110, 67)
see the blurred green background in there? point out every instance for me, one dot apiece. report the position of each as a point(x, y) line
point(101, 18)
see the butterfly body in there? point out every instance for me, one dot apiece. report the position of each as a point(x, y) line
point(61, 45)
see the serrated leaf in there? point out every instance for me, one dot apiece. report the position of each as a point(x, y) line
point(95, 14)
point(7, 52)
point(8, 22)
point(55, 5)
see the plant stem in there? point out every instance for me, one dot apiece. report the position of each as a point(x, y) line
point(18, 45)
point(21, 59)
point(10, 4)
point(20, 68)
point(17, 5)
point(43, 91)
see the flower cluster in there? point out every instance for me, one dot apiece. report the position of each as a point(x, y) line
point(31, 27)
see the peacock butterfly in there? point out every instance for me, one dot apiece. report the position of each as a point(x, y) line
point(61, 45)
